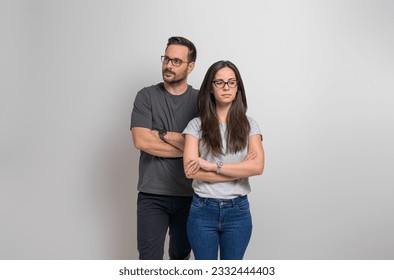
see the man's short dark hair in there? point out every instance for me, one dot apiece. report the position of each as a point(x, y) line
point(192, 55)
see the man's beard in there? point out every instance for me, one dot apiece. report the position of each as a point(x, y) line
point(175, 79)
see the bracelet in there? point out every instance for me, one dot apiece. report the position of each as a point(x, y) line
point(219, 165)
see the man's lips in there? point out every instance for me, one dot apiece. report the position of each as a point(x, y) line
point(167, 73)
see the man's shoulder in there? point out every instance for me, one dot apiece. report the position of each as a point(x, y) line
point(149, 93)
point(192, 93)
point(152, 89)
point(193, 90)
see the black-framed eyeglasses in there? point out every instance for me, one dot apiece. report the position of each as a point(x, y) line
point(174, 61)
point(222, 84)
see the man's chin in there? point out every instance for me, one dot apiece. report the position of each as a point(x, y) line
point(171, 81)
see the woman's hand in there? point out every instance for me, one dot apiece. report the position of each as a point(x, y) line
point(196, 164)
point(250, 156)
point(192, 167)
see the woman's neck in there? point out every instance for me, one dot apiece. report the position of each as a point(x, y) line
point(222, 112)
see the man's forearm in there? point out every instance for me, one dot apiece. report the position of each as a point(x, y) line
point(162, 150)
point(148, 141)
point(175, 139)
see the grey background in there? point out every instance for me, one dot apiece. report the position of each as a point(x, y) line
point(319, 79)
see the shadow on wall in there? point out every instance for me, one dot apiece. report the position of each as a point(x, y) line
point(116, 172)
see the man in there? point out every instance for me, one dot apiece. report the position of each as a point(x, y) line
point(160, 114)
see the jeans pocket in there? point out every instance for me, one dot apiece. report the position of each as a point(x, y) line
point(243, 205)
point(197, 203)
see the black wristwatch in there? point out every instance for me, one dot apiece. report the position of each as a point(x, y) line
point(162, 133)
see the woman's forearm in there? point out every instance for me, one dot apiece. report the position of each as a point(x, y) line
point(210, 176)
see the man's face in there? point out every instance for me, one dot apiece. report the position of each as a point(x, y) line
point(176, 73)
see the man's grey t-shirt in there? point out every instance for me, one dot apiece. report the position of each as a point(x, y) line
point(155, 108)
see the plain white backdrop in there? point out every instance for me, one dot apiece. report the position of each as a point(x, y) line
point(319, 77)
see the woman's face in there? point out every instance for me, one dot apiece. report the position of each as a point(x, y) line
point(224, 86)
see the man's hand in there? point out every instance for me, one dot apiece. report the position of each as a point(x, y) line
point(155, 133)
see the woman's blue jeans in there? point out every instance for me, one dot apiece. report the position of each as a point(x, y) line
point(219, 224)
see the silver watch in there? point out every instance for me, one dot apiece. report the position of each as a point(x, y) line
point(219, 165)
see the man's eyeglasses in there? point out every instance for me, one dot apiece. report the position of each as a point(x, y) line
point(174, 61)
point(222, 84)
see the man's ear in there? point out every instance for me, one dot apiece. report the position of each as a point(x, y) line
point(190, 67)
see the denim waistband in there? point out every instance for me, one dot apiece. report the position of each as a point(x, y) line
point(220, 202)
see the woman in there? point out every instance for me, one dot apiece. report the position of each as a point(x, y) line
point(223, 147)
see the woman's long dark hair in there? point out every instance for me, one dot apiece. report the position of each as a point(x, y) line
point(237, 123)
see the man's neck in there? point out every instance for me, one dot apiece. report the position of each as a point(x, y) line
point(175, 88)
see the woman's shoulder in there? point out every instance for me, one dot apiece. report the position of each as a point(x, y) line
point(254, 126)
point(195, 122)
point(193, 126)
point(251, 120)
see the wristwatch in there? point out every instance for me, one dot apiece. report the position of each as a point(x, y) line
point(162, 133)
point(219, 165)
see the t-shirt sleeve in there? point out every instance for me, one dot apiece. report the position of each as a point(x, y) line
point(193, 128)
point(141, 115)
point(254, 128)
